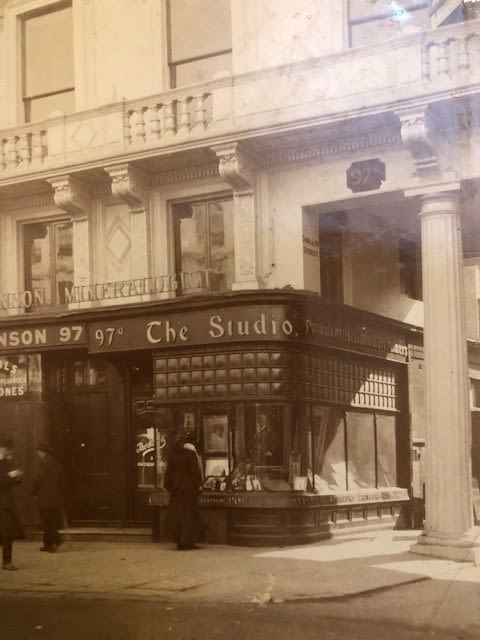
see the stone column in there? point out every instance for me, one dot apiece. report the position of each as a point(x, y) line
point(131, 185)
point(236, 167)
point(449, 531)
point(74, 196)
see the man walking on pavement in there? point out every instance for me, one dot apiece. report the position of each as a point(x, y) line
point(48, 486)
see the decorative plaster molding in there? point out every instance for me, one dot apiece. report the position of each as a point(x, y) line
point(236, 166)
point(330, 148)
point(71, 194)
point(35, 201)
point(130, 185)
point(186, 174)
point(418, 137)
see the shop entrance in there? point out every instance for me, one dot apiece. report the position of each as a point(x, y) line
point(87, 428)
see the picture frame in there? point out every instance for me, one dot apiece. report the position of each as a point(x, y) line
point(217, 467)
point(215, 433)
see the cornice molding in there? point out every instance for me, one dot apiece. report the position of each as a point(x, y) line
point(236, 166)
point(130, 185)
point(35, 201)
point(417, 131)
point(71, 195)
point(330, 148)
point(186, 174)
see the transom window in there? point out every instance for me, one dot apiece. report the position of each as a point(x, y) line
point(204, 246)
point(48, 262)
point(48, 78)
point(200, 40)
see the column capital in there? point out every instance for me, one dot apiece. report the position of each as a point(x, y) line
point(419, 137)
point(130, 185)
point(236, 166)
point(71, 194)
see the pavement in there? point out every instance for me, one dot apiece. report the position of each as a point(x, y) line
point(362, 574)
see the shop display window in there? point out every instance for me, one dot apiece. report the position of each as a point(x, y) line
point(360, 450)
point(386, 451)
point(265, 459)
point(331, 466)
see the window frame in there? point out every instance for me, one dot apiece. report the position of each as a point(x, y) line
point(51, 224)
point(27, 100)
point(207, 199)
point(173, 64)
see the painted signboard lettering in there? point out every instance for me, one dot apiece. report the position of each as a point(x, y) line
point(43, 336)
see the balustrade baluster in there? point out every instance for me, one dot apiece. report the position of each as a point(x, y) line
point(463, 58)
point(168, 119)
point(139, 125)
point(2, 154)
point(443, 58)
point(184, 117)
point(200, 113)
point(154, 121)
point(11, 152)
point(24, 149)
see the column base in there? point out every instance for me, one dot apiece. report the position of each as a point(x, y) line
point(464, 549)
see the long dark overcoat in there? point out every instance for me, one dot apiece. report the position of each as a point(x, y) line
point(183, 480)
point(10, 523)
point(49, 484)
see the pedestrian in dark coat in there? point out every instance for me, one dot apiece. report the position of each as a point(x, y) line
point(49, 487)
point(10, 526)
point(183, 480)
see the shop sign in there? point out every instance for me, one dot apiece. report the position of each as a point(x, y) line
point(241, 324)
point(43, 336)
point(196, 327)
point(13, 376)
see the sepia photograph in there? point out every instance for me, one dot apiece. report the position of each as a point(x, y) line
point(240, 319)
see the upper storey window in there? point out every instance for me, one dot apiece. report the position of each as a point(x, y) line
point(48, 262)
point(200, 40)
point(48, 83)
point(204, 246)
point(373, 21)
point(451, 11)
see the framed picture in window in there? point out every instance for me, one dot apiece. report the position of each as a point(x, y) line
point(215, 433)
point(216, 467)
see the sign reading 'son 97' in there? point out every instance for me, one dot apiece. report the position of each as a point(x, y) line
point(42, 336)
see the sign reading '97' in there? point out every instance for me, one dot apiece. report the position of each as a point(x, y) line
point(365, 175)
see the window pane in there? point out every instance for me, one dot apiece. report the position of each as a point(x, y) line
point(367, 9)
point(386, 451)
point(63, 260)
point(360, 450)
point(192, 238)
point(37, 109)
point(199, 28)
point(38, 259)
point(48, 52)
point(201, 70)
point(334, 470)
point(221, 245)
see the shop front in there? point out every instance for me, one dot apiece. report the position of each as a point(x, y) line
point(299, 409)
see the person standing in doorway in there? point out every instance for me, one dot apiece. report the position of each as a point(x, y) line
point(183, 480)
point(48, 486)
point(10, 526)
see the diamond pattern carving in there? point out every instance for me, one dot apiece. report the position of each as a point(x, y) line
point(118, 243)
point(84, 135)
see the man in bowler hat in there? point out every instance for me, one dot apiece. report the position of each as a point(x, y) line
point(48, 486)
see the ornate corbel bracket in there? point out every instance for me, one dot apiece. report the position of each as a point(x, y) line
point(130, 185)
point(418, 136)
point(71, 194)
point(236, 166)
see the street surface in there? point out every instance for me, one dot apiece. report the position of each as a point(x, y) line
point(55, 617)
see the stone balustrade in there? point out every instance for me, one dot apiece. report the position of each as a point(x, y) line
point(451, 50)
point(162, 120)
point(413, 67)
point(22, 148)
